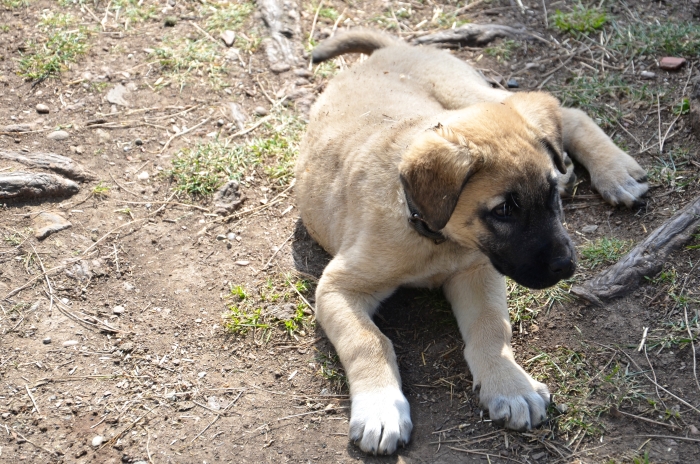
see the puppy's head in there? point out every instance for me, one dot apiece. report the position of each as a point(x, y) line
point(487, 179)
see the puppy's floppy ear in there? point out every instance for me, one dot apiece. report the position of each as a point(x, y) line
point(542, 112)
point(434, 170)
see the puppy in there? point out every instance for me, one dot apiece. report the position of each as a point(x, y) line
point(414, 171)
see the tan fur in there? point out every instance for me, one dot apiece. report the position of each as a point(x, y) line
point(421, 115)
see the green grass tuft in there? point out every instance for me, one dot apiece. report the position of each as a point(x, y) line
point(524, 304)
point(604, 251)
point(670, 38)
point(64, 44)
point(580, 20)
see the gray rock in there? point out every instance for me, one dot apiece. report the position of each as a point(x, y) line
point(68, 343)
point(42, 109)
point(589, 229)
point(513, 84)
point(227, 199)
point(97, 441)
point(116, 95)
point(58, 135)
point(118, 310)
point(647, 75)
point(47, 223)
point(228, 37)
point(46, 341)
point(260, 111)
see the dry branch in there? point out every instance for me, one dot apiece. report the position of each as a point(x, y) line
point(35, 185)
point(57, 163)
point(468, 35)
point(645, 260)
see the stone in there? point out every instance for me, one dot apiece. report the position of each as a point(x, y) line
point(227, 199)
point(138, 142)
point(143, 175)
point(68, 343)
point(58, 135)
point(512, 84)
point(97, 441)
point(116, 95)
point(260, 111)
point(103, 135)
point(118, 310)
point(228, 37)
point(46, 341)
point(589, 229)
point(42, 109)
point(647, 75)
point(170, 21)
point(670, 63)
point(46, 223)
point(231, 236)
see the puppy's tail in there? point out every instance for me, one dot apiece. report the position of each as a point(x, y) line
point(355, 41)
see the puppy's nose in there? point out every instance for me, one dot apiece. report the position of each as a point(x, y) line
point(562, 267)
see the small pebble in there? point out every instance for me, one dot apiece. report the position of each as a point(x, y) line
point(647, 75)
point(58, 135)
point(260, 111)
point(176, 362)
point(138, 142)
point(198, 321)
point(231, 236)
point(97, 441)
point(42, 109)
point(512, 84)
point(670, 63)
point(693, 430)
point(221, 237)
point(70, 343)
point(118, 310)
point(242, 263)
point(46, 341)
point(220, 122)
point(170, 21)
point(228, 37)
point(589, 229)
point(201, 374)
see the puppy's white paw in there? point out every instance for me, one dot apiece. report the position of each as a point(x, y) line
point(380, 420)
point(513, 398)
point(620, 181)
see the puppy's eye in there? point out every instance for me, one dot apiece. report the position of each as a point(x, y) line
point(503, 210)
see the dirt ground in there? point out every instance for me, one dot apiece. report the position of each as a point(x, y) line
point(156, 330)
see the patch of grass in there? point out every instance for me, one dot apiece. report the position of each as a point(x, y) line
point(64, 44)
point(332, 370)
point(503, 50)
point(605, 98)
point(227, 15)
point(101, 190)
point(181, 57)
point(646, 38)
point(329, 13)
point(327, 69)
point(524, 304)
point(204, 168)
point(604, 251)
point(670, 171)
point(248, 312)
point(14, 4)
point(135, 10)
point(581, 19)
point(13, 239)
point(583, 391)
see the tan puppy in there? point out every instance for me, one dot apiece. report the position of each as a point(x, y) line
point(414, 171)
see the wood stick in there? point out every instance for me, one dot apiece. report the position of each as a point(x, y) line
point(645, 260)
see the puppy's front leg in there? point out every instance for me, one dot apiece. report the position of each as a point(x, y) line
point(614, 173)
point(512, 397)
point(380, 416)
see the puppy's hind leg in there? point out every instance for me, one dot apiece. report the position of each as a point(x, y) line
point(380, 417)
